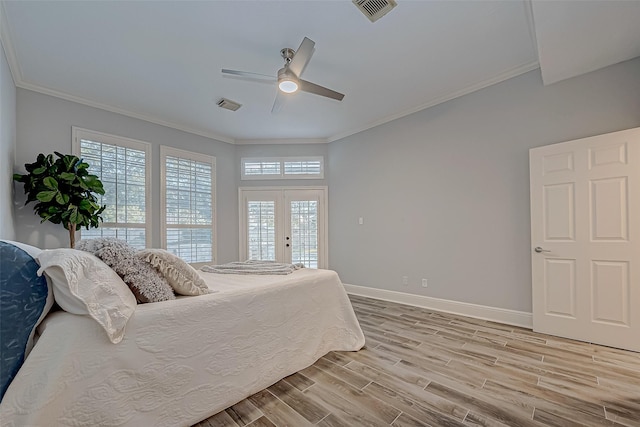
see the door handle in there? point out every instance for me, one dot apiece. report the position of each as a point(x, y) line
point(538, 249)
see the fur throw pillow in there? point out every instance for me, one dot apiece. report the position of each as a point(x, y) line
point(183, 278)
point(146, 283)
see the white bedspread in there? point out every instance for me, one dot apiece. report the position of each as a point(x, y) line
point(184, 360)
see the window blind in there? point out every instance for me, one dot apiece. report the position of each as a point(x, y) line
point(188, 204)
point(261, 223)
point(283, 168)
point(122, 168)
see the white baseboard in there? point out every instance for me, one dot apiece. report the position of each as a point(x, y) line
point(494, 314)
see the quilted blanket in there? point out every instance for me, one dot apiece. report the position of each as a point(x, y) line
point(184, 360)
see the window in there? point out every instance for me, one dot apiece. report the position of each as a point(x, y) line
point(188, 204)
point(283, 168)
point(123, 166)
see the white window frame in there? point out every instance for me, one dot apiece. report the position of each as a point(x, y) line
point(78, 134)
point(198, 157)
point(282, 174)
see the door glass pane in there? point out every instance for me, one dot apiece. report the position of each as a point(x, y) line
point(304, 232)
point(261, 222)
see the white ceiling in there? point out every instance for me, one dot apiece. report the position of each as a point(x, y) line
point(161, 61)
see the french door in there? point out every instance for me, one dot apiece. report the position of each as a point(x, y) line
point(284, 224)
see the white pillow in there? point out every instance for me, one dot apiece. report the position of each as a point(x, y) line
point(183, 278)
point(83, 284)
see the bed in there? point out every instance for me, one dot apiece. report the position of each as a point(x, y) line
point(181, 361)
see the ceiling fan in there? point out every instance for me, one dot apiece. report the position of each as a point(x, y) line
point(288, 78)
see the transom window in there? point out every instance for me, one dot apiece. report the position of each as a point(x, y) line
point(283, 168)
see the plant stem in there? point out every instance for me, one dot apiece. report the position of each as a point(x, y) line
point(72, 235)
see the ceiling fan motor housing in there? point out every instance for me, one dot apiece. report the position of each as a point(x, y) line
point(287, 54)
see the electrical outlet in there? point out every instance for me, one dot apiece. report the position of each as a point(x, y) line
point(405, 280)
point(424, 283)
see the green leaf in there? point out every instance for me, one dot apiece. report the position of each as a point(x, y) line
point(40, 170)
point(93, 183)
point(74, 217)
point(62, 199)
point(68, 176)
point(82, 185)
point(83, 165)
point(50, 183)
point(46, 196)
point(67, 159)
point(53, 210)
point(82, 219)
point(86, 205)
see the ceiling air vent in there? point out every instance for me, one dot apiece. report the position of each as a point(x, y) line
point(228, 104)
point(375, 9)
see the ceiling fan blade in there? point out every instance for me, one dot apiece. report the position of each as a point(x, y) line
point(279, 102)
point(306, 86)
point(248, 75)
point(302, 56)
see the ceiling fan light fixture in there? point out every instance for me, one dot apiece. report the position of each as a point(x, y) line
point(288, 86)
point(287, 81)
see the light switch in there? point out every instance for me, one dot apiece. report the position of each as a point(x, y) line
point(360, 220)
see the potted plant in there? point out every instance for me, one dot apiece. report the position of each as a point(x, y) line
point(64, 190)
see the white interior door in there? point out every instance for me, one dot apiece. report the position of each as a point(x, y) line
point(284, 224)
point(585, 233)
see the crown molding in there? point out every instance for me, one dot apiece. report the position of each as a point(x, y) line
point(124, 112)
point(282, 141)
point(514, 72)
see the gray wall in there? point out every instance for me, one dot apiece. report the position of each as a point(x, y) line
point(7, 147)
point(445, 192)
point(44, 125)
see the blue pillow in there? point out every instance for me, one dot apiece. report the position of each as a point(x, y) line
point(23, 302)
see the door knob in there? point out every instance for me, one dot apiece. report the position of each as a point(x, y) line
point(538, 249)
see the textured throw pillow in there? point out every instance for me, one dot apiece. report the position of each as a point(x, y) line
point(25, 299)
point(146, 283)
point(83, 284)
point(183, 278)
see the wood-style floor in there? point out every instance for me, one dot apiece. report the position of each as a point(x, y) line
point(424, 368)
